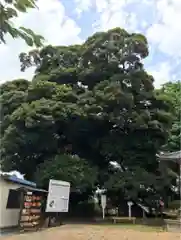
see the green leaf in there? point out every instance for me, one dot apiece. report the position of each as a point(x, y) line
point(23, 5)
point(28, 39)
point(37, 39)
point(13, 32)
point(10, 12)
point(9, 1)
point(27, 30)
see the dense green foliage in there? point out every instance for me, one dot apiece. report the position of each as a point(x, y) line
point(70, 168)
point(172, 91)
point(10, 9)
point(86, 106)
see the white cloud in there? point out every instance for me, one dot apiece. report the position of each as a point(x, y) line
point(113, 14)
point(50, 21)
point(82, 5)
point(161, 73)
point(166, 32)
point(163, 31)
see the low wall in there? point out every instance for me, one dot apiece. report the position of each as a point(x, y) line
point(173, 225)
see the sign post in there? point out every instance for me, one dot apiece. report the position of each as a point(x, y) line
point(129, 208)
point(58, 196)
point(103, 204)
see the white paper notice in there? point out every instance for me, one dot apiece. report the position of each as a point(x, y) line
point(58, 196)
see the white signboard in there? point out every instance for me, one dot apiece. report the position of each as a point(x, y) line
point(103, 204)
point(58, 196)
point(130, 203)
point(103, 201)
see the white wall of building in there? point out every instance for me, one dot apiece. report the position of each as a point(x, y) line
point(8, 217)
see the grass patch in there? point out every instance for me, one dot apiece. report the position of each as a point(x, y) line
point(136, 227)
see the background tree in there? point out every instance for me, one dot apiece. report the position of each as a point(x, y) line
point(172, 90)
point(95, 101)
point(69, 168)
point(10, 9)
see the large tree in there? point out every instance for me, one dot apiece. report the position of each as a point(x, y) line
point(10, 9)
point(93, 100)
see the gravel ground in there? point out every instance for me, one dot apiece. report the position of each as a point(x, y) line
point(95, 232)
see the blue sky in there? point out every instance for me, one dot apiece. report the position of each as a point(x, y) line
point(72, 21)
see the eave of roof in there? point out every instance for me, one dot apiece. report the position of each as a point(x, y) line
point(172, 156)
point(31, 189)
point(18, 180)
